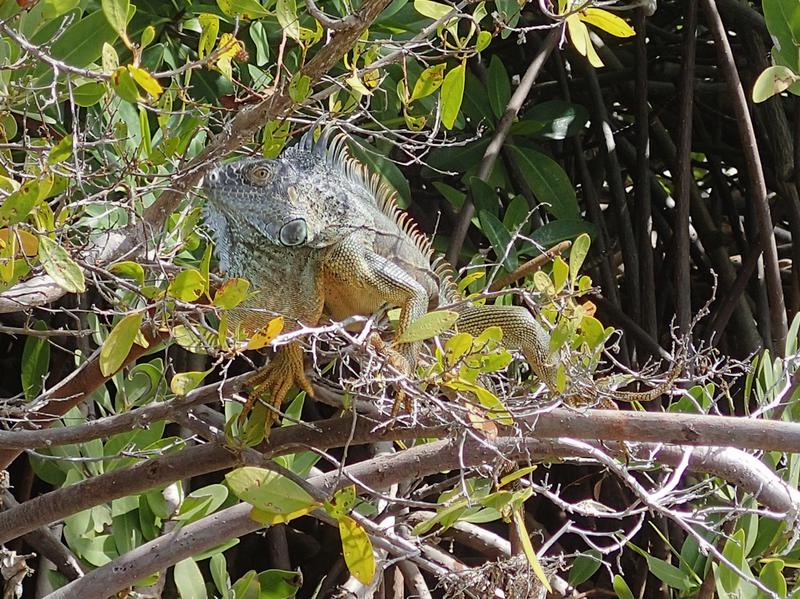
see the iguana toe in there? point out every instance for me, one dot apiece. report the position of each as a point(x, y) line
point(272, 383)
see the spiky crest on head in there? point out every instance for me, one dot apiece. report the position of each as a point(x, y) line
point(331, 148)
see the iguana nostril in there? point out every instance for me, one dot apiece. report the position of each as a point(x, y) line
point(294, 232)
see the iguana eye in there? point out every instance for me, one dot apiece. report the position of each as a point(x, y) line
point(259, 175)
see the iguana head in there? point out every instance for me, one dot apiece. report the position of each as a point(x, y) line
point(308, 197)
point(250, 197)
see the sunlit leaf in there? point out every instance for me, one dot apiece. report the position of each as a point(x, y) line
point(60, 266)
point(209, 25)
point(187, 285)
point(773, 80)
point(146, 81)
point(265, 335)
point(452, 94)
point(607, 21)
point(269, 491)
point(231, 293)
point(247, 9)
point(119, 342)
point(116, 12)
point(429, 81)
point(357, 550)
point(522, 534)
point(428, 325)
point(433, 10)
point(184, 382)
point(579, 35)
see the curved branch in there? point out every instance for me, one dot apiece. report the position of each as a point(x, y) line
point(388, 469)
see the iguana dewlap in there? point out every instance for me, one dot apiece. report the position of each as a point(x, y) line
point(317, 235)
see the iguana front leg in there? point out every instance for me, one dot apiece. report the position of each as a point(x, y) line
point(359, 281)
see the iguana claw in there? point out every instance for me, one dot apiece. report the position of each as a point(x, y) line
point(397, 360)
point(272, 383)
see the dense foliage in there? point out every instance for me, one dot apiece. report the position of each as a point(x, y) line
point(607, 166)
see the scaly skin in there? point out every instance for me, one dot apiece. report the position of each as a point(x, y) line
point(317, 235)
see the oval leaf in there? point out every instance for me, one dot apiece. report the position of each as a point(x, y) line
point(183, 382)
point(357, 550)
point(428, 325)
point(607, 21)
point(773, 80)
point(268, 491)
point(119, 343)
point(188, 285)
point(452, 94)
point(58, 264)
point(231, 293)
point(433, 10)
point(548, 181)
point(265, 335)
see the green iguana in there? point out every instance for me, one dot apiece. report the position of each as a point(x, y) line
point(319, 236)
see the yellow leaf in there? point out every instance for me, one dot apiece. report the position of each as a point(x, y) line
point(522, 533)
point(607, 21)
point(29, 243)
point(357, 550)
point(146, 81)
point(265, 335)
point(183, 382)
point(579, 34)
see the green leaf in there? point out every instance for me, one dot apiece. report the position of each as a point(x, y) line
point(124, 85)
point(429, 81)
point(189, 580)
point(184, 382)
point(129, 270)
point(499, 86)
point(783, 23)
point(279, 584)
point(500, 239)
point(232, 293)
point(554, 119)
point(433, 10)
point(621, 588)
point(148, 35)
point(357, 550)
point(773, 80)
point(428, 325)
point(269, 491)
point(89, 94)
point(110, 58)
point(299, 87)
point(201, 502)
point(82, 42)
point(734, 551)
point(772, 577)
point(548, 181)
point(483, 40)
point(18, 205)
point(61, 151)
point(247, 9)
point(452, 92)
point(577, 255)
point(445, 517)
point(55, 8)
point(60, 266)
point(188, 285)
point(219, 573)
point(119, 343)
point(286, 12)
point(496, 409)
point(209, 26)
point(560, 273)
point(35, 362)
point(584, 567)
point(116, 12)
